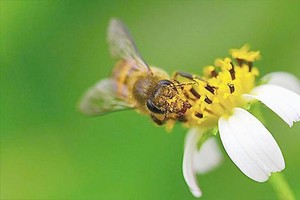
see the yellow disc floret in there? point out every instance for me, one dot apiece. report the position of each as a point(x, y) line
point(221, 88)
point(244, 54)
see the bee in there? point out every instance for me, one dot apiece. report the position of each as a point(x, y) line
point(135, 85)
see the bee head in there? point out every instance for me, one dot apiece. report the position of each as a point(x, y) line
point(165, 99)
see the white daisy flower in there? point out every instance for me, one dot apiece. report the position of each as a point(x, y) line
point(217, 99)
point(246, 140)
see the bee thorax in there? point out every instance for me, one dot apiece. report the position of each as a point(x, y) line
point(143, 88)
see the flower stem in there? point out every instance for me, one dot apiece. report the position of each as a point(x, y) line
point(281, 187)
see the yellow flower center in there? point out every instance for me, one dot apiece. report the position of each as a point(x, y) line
point(220, 89)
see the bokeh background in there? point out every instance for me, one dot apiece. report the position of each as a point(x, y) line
point(52, 51)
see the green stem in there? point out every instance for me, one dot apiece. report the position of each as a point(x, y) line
point(281, 187)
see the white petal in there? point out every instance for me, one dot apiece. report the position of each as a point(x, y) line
point(250, 145)
point(283, 79)
point(208, 157)
point(285, 103)
point(190, 149)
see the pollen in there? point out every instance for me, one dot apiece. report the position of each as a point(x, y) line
point(221, 88)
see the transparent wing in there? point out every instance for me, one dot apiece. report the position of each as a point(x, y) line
point(122, 45)
point(101, 99)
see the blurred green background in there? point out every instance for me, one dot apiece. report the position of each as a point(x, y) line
point(52, 51)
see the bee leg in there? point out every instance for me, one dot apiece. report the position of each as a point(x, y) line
point(158, 121)
point(182, 118)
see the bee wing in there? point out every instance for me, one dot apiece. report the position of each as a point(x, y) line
point(102, 98)
point(122, 45)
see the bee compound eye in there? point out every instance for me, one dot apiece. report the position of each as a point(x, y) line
point(153, 108)
point(165, 82)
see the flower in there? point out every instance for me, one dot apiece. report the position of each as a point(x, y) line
point(227, 92)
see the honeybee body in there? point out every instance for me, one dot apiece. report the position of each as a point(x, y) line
point(151, 92)
point(134, 84)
